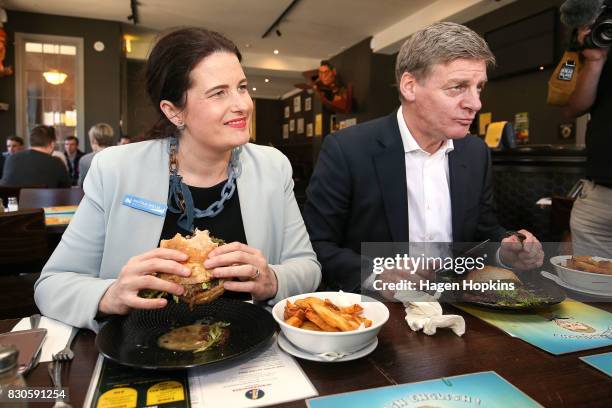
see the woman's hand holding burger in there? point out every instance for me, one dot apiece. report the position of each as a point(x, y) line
point(237, 260)
point(138, 274)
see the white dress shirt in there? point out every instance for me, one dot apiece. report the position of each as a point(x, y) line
point(428, 186)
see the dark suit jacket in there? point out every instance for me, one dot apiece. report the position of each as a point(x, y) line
point(33, 168)
point(357, 193)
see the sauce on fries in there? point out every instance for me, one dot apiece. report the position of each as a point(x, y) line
point(316, 314)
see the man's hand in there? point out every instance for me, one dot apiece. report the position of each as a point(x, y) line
point(596, 55)
point(524, 255)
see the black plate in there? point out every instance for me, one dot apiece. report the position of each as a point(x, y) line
point(536, 286)
point(132, 340)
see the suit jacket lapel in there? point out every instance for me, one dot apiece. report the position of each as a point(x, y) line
point(457, 166)
point(390, 165)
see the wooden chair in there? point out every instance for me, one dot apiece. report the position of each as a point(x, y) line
point(48, 197)
point(23, 241)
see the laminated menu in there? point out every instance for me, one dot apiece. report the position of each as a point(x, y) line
point(564, 328)
point(484, 389)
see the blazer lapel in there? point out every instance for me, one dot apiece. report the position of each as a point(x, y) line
point(458, 175)
point(390, 166)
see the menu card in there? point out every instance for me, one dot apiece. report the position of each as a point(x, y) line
point(114, 385)
point(602, 362)
point(271, 377)
point(484, 389)
point(59, 215)
point(564, 328)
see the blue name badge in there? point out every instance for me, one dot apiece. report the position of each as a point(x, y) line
point(142, 204)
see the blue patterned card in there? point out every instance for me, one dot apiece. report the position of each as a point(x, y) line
point(484, 389)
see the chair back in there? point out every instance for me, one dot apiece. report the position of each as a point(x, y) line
point(49, 197)
point(23, 238)
point(13, 191)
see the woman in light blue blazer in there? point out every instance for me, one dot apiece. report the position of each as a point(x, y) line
point(197, 170)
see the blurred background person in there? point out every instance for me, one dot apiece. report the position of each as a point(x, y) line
point(73, 156)
point(101, 136)
point(124, 140)
point(36, 166)
point(14, 144)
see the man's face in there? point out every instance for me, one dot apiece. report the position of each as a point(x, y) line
point(13, 147)
point(70, 146)
point(443, 104)
point(327, 75)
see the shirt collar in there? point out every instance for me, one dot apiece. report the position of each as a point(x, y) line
point(410, 145)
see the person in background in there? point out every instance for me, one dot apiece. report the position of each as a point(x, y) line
point(124, 140)
point(73, 156)
point(36, 166)
point(335, 96)
point(14, 144)
point(416, 175)
point(591, 217)
point(101, 136)
point(200, 171)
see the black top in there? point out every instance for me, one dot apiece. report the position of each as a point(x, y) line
point(227, 225)
point(599, 132)
point(34, 168)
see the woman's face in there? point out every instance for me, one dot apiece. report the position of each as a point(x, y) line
point(218, 106)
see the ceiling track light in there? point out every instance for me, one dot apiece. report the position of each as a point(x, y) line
point(279, 19)
point(134, 8)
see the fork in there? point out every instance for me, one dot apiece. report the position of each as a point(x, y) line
point(55, 368)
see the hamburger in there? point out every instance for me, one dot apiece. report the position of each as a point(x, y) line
point(492, 273)
point(200, 287)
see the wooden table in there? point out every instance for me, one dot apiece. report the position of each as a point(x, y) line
point(404, 356)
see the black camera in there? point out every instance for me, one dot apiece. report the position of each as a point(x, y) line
point(601, 29)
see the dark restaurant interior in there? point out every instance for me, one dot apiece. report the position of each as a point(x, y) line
point(78, 72)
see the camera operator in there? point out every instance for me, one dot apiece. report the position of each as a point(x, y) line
point(591, 218)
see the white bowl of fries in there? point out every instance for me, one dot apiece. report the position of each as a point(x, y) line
point(585, 272)
point(330, 322)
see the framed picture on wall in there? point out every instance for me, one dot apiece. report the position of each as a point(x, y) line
point(285, 131)
point(308, 104)
point(300, 126)
point(297, 104)
point(292, 125)
point(309, 130)
point(287, 112)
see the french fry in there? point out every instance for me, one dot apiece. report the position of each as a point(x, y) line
point(353, 309)
point(308, 325)
point(316, 319)
point(294, 321)
point(318, 314)
point(332, 318)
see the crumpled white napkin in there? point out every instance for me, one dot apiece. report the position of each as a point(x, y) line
point(332, 355)
point(423, 312)
point(56, 339)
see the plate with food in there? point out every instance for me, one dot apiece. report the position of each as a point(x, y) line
point(180, 336)
point(330, 323)
point(509, 292)
point(587, 274)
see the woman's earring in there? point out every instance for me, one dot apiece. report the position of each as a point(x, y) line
point(180, 126)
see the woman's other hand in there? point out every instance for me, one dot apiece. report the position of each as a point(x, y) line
point(248, 265)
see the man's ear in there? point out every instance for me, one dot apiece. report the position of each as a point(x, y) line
point(173, 114)
point(407, 86)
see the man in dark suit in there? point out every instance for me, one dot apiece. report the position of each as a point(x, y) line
point(73, 156)
point(415, 175)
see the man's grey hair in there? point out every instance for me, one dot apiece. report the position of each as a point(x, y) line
point(440, 43)
point(103, 134)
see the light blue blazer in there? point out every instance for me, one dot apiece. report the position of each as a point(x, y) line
point(104, 234)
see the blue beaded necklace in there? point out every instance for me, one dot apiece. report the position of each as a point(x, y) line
point(180, 200)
